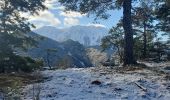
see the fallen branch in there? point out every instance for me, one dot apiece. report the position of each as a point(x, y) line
point(141, 87)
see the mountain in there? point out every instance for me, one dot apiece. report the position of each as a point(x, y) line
point(98, 56)
point(70, 53)
point(86, 35)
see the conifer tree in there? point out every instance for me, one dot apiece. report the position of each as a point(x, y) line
point(14, 28)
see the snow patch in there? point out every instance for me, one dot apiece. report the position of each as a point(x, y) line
point(75, 84)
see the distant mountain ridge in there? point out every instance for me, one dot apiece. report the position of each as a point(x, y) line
point(86, 35)
point(68, 52)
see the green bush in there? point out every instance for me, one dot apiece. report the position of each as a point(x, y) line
point(14, 63)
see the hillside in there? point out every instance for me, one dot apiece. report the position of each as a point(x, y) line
point(68, 52)
point(86, 35)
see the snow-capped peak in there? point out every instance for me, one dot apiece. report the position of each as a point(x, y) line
point(87, 35)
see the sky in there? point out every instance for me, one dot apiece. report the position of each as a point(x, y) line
point(55, 16)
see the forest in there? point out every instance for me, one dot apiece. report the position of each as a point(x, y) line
point(66, 58)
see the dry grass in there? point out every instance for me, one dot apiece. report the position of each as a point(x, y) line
point(18, 80)
point(128, 68)
point(10, 84)
point(8, 80)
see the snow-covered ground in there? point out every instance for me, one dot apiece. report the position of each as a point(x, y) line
point(76, 84)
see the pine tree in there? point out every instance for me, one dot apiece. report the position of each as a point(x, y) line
point(143, 23)
point(143, 29)
point(14, 28)
point(163, 15)
point(12, 24)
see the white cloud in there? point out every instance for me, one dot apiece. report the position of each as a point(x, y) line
point(51, 4)
point(96, 25)
point(60, 8)
point(45, 17)
point(70, 21)
point(71, 14)
point(71, 18)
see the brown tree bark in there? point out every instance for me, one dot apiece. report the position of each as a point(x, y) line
point(127, 25)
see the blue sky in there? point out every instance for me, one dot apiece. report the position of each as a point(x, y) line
point(55, 16)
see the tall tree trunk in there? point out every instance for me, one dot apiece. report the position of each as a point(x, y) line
point(144, 40)
point(127, 25)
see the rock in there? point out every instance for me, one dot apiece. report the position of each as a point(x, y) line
point(117, 89)
point(49, 95)
point(96, 82)
point(167, 68)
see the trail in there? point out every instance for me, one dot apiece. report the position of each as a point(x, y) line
point(75, 84)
